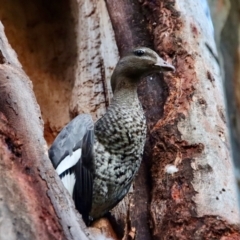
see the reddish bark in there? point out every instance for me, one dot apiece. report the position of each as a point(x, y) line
point(21, 192)
point(174, 213)
point(162, 205)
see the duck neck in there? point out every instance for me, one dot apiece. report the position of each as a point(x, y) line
point(125, 93)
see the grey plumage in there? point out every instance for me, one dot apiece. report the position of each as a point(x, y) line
point(110, 155)
point(120, 138)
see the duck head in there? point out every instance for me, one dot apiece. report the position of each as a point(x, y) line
point(135, 65)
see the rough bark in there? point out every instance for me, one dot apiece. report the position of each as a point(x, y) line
point(69, 46)
point(32, 206)
point(199, 200)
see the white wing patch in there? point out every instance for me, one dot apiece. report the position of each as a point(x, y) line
point(69, 180)
point(69, 161)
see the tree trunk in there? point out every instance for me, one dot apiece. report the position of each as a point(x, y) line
point(192, 133)
point(227, 28)
point(32, 205)
point(185, 186)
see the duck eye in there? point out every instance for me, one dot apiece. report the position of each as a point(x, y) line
point(139, 52)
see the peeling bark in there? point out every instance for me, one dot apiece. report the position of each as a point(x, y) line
point(185, 184)
point(192, 129)
point(191, 135)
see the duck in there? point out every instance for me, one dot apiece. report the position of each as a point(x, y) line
point(97, 162)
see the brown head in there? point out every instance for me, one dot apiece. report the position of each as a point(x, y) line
point(137, 64)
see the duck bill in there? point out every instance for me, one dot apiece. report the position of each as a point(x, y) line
point(164, 66)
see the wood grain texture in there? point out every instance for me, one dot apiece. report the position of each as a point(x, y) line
point(97, 56)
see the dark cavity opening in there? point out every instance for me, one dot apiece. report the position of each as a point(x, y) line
point(42, 34)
